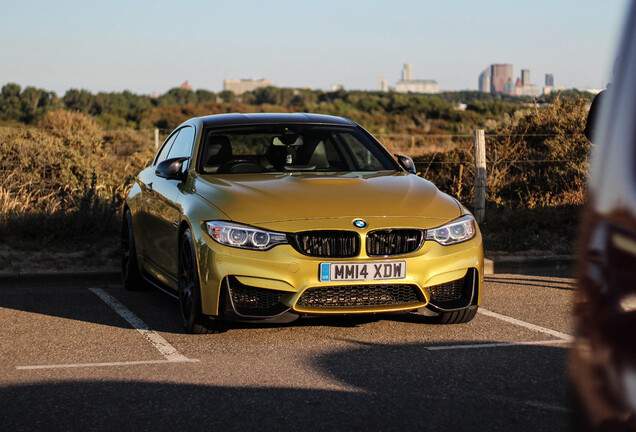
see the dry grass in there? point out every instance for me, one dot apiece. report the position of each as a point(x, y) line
point(538, 159)
point(65, 180)
point(420, 145)
point(537, 167)
point(62, 183)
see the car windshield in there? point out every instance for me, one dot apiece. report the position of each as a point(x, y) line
point(289, 148)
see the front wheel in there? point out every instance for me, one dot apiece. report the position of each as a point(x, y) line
point(454, 317)
point(190, 291)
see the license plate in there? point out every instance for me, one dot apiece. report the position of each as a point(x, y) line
point(369, 271)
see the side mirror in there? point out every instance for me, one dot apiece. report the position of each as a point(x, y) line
point(406, 163)
point(171, 168)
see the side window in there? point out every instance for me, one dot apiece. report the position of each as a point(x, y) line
point(165, 149)
point(182, 146)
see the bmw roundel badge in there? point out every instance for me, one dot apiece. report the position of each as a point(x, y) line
point(359, 223)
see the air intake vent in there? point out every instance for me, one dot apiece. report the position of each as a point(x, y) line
point(253, 301)
point(447, 292)
point(359, 296)
point(455, 294)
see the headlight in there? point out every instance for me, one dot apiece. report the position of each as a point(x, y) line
point(242, 236)
point(454, 232)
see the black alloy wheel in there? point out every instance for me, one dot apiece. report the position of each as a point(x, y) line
point(130, 276)
point(190, 291)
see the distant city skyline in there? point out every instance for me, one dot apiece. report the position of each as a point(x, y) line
point(148, 47)
point(499, 79)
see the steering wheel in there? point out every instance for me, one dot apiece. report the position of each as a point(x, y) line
point(239, 166)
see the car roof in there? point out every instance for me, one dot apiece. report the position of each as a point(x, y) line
point(272, 118)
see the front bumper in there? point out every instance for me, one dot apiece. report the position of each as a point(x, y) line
point(282, 281)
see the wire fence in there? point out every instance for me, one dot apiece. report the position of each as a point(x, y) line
point(418, 145)
point(426, 149)
point(412, 145)
point(514, 178)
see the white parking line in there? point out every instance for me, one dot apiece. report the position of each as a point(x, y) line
point(168, 351)
point(495, 345)
point(556, 334)
point(173, 356)
point(562, 337)
point(106, 364)
point(530, 403)
point(162, 345)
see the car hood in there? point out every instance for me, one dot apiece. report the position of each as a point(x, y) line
point(263, 198)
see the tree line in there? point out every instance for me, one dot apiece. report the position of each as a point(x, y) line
point(380, 112)
point(67, 175)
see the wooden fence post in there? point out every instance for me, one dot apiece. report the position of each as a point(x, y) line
point(480, 174)
point(156, 138)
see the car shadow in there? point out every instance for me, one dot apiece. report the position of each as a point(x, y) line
point(157, 309)
point(160, 311)
point(78, 303)
point(400, 387)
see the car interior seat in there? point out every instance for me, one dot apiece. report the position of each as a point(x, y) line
point(217, 151)
point(276, 157)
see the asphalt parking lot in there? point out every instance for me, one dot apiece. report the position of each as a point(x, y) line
point(95, 357)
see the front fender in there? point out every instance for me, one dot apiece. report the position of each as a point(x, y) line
point(197, 211)
point(134, 202)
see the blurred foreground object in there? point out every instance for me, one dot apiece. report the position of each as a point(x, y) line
point(603, 360)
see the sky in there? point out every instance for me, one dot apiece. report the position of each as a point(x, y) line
point(151, 46)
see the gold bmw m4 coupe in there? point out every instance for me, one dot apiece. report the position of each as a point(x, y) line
point(270, 217)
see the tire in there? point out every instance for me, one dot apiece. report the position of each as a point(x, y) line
point(131, 278)
point(193, 319)
point(454, 317)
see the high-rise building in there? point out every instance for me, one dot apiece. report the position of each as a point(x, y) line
point(510, 87)
point(417, 86)
point(530, 90)
point(527, 88)
point(408, 85)
point(484, 81)
point(549, 84)
point(407, 72)
point(519, 87)
point(501, 79)
point(383, 84)
point(525, 77)
point(549, 80)
point(244, 85)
